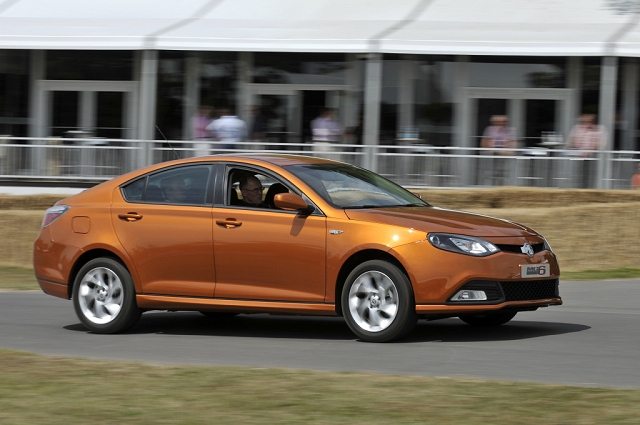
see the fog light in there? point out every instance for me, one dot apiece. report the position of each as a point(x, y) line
point(467, 295)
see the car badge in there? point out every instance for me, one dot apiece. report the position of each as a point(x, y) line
point(527, 249)
point(335, 232)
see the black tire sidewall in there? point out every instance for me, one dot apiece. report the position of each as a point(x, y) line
point(129, 312)
point(406, 317)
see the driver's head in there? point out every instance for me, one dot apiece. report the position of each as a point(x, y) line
point(251, 189)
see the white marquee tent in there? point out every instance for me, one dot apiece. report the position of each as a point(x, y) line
point(460, 27)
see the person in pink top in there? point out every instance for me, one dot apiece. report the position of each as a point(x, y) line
point(586, 138)
point(199, 133)
point(501, 138)
point(635, 180)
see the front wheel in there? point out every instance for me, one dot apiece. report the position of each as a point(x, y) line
point(378, 303)
point(495, 318)
point(104, 297)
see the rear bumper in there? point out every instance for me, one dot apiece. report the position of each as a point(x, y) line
point(52, 264)
point(56, 289)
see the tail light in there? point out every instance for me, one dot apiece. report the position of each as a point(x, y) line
point(53, 213)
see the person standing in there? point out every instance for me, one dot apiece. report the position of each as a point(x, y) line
point(228, 129)
point(635, 180)
point(502, 140)
point(199, 133)
point(325, 131)
point(586, 138)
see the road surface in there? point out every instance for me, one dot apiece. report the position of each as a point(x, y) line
point(592, 340)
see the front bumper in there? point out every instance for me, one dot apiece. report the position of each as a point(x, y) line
point(437, 275)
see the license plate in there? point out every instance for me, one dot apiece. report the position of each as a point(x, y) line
point(535, 270)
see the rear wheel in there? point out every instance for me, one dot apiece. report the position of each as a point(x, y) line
point(104, 297)
point(377, 302)
point(494, 318)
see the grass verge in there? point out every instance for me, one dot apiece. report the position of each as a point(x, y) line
point(37, 389)
point(19, 279)
point(623, 273)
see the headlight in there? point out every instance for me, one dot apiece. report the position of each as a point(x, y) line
point(462, 244)
point(546, 244)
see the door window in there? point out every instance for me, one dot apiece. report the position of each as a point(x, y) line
point(179, 186)
point(250, 189)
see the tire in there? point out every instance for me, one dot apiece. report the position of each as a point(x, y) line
point(104, 297)
point(496, 318)
point(378, 303)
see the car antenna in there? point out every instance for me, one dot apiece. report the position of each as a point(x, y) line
point(170, 145)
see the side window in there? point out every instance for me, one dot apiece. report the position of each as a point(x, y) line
point(251, 189)
point(134, 191)
point(182, 185)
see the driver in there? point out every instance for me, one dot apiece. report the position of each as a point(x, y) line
point(251, 190)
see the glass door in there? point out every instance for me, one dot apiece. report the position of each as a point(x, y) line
point(279, 116)
point(83, 121)
point(540, 122)
point(286, 111)
point(110, 115)
point(538, 119)
point(65, 108)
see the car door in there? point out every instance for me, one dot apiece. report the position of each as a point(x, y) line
point(164, 222)
point(263, 253)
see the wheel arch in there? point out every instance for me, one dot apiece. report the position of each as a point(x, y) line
point(88, 256)
point(358, 258)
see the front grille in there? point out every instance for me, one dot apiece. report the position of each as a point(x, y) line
point(521, 290)
point(526, 290)
point(516, 249)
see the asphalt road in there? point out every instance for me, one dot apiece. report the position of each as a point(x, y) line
point(593, 340)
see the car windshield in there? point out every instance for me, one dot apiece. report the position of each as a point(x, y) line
point(346, 186)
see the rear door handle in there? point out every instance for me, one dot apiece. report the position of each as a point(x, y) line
point(132, 216)
point(229, 223)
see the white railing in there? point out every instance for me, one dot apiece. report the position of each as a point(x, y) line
point(411, 165)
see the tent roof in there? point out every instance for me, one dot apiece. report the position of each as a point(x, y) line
point(465, 27)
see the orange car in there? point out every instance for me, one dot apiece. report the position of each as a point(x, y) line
point(288, 234)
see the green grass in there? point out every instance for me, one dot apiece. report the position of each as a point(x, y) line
point(17, 279)
point(624, 273)
point(37, 389)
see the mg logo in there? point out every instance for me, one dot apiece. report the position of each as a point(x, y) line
point(527, 249)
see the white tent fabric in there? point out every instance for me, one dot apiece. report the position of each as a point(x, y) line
point(466, 27)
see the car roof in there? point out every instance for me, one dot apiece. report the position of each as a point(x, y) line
point(279, 160)
point(276, 159)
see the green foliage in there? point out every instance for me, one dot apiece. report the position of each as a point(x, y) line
point(36, 389)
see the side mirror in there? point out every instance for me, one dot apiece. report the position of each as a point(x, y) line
point(292, 201)
point(417, 195)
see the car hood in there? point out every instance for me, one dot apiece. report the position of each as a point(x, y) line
point(432, 219)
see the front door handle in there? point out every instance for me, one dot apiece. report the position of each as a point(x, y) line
point(132, 216)
point(229, 223)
